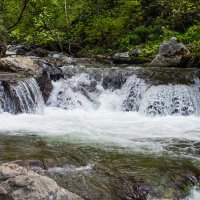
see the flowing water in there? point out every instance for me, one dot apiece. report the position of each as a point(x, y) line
point(108, 137)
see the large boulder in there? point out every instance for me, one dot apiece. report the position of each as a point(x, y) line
point(170, 54)
point(20, 183)
point(26, 67)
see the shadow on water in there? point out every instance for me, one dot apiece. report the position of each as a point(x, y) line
point(96, 172)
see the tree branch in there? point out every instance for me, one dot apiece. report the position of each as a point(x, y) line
point(20, 16)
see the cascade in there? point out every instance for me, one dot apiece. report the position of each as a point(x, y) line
point(22, 97)
point(170, 100)
point(83, 91)
point(105, 89)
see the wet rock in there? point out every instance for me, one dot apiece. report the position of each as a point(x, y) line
point(55, 73)
point(131, 60)
point(26, 68)
point(113, 81)
point(170, 54)
point(115, 78)
point(45, 84)
point(17, 182)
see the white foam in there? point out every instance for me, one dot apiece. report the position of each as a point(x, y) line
point(194, 194)
point(125, 129)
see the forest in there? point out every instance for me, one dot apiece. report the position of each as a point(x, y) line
point(86, 27)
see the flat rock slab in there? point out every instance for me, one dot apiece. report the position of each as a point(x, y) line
point(20, 64)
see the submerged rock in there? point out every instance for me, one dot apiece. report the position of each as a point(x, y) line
point(19, 183)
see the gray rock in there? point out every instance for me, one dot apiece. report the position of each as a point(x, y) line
point(165, 61)
point(135, 52)
point(19, 183)
point(173, 48)
point(170, 53)
point(124, 55)
point(26, 67)
point(55, 73)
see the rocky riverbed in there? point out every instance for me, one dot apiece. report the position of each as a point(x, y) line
point(101, 130)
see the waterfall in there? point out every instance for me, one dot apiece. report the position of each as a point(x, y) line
point(28, 95)
point(106, 89)
point(170, 100)
point(72, 93)
point(21, 97)
point(136, 95)
point(133, 90)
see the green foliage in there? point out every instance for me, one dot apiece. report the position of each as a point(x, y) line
point(191, 36)
point(150, 49)
point(102, 25)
